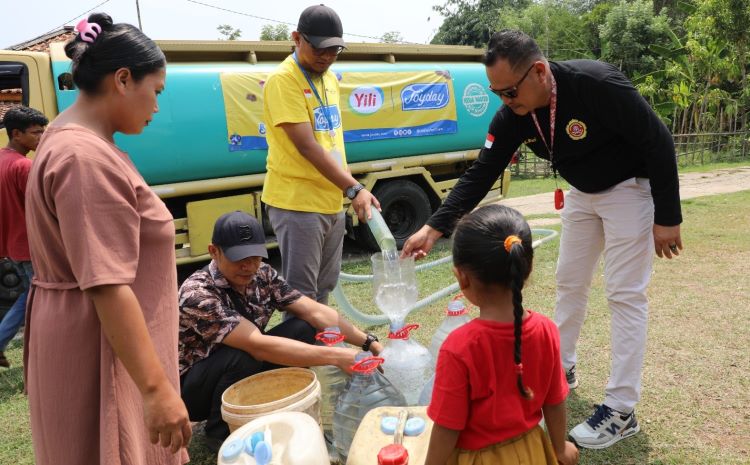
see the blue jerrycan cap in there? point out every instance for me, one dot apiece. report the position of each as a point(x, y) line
point(231, 451)
point(253, 440)
point(388, 425)
point(262, 453)
point(414, 426)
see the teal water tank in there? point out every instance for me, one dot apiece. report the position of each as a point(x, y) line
point(388, 110)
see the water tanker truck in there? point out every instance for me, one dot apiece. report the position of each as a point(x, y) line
point(414, 119)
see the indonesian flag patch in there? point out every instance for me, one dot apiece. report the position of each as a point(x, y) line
point(488, 142)
point(308, 93)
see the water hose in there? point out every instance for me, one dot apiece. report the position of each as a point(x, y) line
point(380, 319)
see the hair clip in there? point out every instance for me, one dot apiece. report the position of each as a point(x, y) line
point(88, 32)
point(519, 368)
point(509, 241)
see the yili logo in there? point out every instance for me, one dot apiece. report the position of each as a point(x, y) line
point(424, 96)
point(320, 118)
point(366, 100)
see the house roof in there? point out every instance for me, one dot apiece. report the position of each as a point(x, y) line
point(41, 43)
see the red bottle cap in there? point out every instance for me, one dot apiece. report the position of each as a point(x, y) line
point(393, 454)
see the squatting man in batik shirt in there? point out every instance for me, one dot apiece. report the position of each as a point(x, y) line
point(224, 310)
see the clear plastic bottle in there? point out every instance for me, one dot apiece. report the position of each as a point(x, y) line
point(426, 395)
point(366, 389)
point(456, 315)
point(408, 364)
point(332, 380)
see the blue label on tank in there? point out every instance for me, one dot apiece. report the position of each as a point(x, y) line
point(424, 96)
point(239, 143)
point(431, 129)
point(321, 124)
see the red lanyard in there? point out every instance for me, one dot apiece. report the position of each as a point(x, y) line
point(559, 197)
point(552, 113)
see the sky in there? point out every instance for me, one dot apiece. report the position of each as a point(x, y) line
point(364, 21)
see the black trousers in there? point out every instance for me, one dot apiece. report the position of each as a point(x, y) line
point(202, 386)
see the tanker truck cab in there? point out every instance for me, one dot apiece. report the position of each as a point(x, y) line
point(414, 119)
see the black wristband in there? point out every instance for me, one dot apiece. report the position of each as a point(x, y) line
point(368, 341)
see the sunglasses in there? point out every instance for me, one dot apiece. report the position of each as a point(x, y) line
point(335, 50)
point(511, 92)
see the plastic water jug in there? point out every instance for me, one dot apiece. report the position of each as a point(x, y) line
point(332, 380)
point(382, 235)
point(426, 395)
point(281, 438)
point(371, 437)
point(366, 389)
point(456, 315)
point(408, 364)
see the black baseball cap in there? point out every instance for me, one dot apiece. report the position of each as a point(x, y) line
point(239, 235)
point(321, 27)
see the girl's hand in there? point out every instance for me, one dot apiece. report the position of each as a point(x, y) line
point(166, 418)
point(570, 454)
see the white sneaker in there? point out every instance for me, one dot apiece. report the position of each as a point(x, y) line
point(604, 428)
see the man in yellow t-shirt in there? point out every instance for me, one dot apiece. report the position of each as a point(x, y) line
point(307, 175)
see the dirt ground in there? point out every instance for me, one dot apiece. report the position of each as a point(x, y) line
point(720, 181)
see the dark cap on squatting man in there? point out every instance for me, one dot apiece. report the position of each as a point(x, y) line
point(321, 27)
point(239, 235)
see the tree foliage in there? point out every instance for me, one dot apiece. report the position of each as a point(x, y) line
point(228, 32)
point(391, 37)
point(688, 58)
point(278, 32)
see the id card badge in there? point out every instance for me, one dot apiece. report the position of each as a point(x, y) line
point(337, 155)
point(559, 199)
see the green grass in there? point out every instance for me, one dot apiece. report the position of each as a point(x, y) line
point(520, 187)
point(696, 381)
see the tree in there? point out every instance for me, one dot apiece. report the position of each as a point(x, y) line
point(228, 32)
point(471, 22)
point(278, 32)
point(628, 31)
point(392, 37)
point(555, 26)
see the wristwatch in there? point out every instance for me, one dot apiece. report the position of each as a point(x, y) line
point(368, 342)
point(352, 191)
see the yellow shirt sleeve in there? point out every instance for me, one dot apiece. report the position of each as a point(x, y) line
point(282, 92)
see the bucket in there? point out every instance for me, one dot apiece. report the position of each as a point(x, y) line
point(280, 390)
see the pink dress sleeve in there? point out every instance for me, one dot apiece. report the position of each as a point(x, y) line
point(96, 207)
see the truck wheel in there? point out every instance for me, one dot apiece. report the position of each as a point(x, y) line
point(406, 208)
point(10, 285)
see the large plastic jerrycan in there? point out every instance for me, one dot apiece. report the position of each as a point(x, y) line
point(281, 438)
point(366, 389)
point(332, 380)
point(408, 364)
point(456, 315)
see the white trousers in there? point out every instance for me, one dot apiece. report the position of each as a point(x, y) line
point(619, 222)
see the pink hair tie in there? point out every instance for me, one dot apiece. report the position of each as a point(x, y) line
point(88, 32)
point(519, 368)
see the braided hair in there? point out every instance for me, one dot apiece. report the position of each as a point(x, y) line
point(494, 244)
point(115, 46)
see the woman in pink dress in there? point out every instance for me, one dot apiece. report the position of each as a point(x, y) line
point(101, 347)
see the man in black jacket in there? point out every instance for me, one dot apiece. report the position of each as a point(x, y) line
point(601, 136)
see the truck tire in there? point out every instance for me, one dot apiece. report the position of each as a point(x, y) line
point(10, 285)
point(406, 208)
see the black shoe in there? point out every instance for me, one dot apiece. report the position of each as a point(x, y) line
point(4, 361)
point(570, 377)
